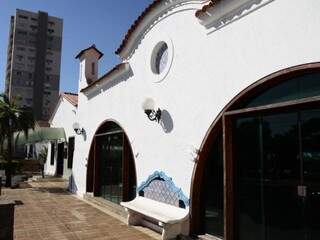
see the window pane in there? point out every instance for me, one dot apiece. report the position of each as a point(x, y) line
point(213, 221)
point(298, 87)
point(268, 173)
point(249, 210)
point(161, 58)
point(281, 176)
point(311, 170)
point(111, 148)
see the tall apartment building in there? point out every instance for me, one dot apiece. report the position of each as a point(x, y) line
point(33, 62)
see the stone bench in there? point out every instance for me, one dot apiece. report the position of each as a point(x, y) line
point(160, 206)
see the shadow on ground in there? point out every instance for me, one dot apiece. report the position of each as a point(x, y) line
point(55, 190)
point(51, 179)
point(18, 202)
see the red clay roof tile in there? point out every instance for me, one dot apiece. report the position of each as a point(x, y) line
point(153, 5)
point(135, 25)
point(205, 8)
point(71, 97)
point(93, 46)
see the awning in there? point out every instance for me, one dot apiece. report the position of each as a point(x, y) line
point(39, 135)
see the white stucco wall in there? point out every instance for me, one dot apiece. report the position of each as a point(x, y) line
point(48, 168)
point(64, 117)
point(86, 74)
point(209, 68)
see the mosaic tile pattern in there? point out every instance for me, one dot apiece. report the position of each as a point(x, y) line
point(160, 187)
point(159, 190)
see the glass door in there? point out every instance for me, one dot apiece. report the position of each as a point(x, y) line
point(280, 169)
point(277, 158)
point(248, 183)
point(111, 154)
point(310, 134)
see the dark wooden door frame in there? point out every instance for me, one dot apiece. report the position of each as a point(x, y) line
point(224, 122)
point(228, 179)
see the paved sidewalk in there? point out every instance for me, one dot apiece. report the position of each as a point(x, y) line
point(47, 211)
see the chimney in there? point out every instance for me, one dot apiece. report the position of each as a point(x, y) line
point(89, 58)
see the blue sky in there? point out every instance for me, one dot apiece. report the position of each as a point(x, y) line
point(103, 22)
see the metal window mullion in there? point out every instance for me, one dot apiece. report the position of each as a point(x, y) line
point(108, 133)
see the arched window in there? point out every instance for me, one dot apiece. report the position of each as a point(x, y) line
point(294, 88)
point(112, 163)
point(271, 162)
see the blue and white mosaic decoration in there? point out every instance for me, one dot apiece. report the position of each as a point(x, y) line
point(160, 187)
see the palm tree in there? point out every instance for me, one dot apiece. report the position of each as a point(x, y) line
point(13, 118)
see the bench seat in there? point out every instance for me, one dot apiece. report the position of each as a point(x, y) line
point(172, 220)
point(157, 210)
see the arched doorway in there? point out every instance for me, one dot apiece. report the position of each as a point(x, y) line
point(270, 176)
point(111, 170)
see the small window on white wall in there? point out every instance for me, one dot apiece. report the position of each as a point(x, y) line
point(160, 58)
point(93, 68)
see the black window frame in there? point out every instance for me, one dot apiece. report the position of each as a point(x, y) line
point(52, 154)
point(71, 142)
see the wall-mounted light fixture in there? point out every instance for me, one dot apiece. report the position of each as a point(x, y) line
point(149, 109)
point(78, 130)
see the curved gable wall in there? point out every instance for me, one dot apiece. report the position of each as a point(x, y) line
point(149, 17)
point(208, 70)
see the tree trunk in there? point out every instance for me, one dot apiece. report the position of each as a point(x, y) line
point(42, 169)
point(9, 162)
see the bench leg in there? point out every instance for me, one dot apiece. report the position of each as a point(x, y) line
point(171, 231)
point(133, 218)
point(185, 227)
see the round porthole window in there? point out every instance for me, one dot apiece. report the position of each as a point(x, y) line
point(160, 58)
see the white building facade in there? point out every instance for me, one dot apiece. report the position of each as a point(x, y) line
point(60, 152)
point(218, 71)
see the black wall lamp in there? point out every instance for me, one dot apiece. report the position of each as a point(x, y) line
point(78, 130)
point(149, 110)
